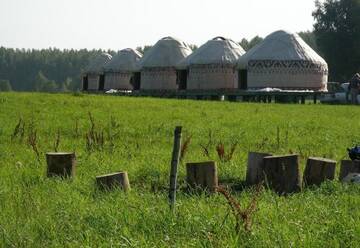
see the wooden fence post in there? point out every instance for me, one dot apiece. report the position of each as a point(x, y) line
point(349, 166)
point(202, 175)
point(318, 170)
point(110, 181)
point(60, 164)
point(282, 173)
point(174, 164)
point(254, 172)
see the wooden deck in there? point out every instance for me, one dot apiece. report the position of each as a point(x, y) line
point(230, 95)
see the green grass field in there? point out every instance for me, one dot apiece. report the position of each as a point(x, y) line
point(39, 212)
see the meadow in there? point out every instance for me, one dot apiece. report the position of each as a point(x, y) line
point(36, 211)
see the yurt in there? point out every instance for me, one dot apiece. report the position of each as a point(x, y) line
point(93, 77)
point(158, 70)
point(211, 66)
point(283, 60)
point(120, 71)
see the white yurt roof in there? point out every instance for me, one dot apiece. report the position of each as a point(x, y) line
point(167, 52)
point(281, 45)
point(216, 51)
point(125, 60)
point(98, 63)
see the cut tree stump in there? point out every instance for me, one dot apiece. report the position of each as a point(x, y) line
point(282, 173)
point(60, 164)
point(202, 175)
point(349, 166)
point(318, 170)
point(254, 173)
point(114, 180)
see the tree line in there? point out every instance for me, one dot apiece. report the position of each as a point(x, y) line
point(336, 37)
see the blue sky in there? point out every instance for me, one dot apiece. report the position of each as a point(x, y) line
point(118, 24)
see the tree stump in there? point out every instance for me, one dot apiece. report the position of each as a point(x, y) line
point(349, 166)
point(202, 175)
point(282, 173)
point(60, 164)
point(254, 172)
point(114, 180)
point(318, 170)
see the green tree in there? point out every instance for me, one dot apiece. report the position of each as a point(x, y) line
point(43, 84)
point(5, 85)
point(310, 38)
point(144, 49)
point(247, 45)
point(337, 31)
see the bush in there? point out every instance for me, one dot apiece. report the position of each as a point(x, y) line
point(5, 85)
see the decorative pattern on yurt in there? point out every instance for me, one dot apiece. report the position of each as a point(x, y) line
point(213, 65)
point(283, 60)
point(95, 69)
point(158, 64)
point(120, 70)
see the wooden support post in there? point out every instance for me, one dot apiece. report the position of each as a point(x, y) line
point(114, 180)
point(254, 173)
point(214, 98)
point(349, 166)
point(302, 99)
point(60, 164)
point(174, 164)
point(282, 173)
point(318, 170)
point(269, 98)
point(231, 98)
point(202, 176)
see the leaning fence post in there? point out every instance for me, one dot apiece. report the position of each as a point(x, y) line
point(174, 164)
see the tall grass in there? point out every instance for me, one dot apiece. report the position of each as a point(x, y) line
point(137, 132)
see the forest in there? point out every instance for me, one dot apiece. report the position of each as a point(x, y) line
point(336, 37)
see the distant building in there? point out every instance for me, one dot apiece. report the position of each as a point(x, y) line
point(211, 66)
point(283, 60)
point(93, 77)
point(158, 64)
point(120, 72)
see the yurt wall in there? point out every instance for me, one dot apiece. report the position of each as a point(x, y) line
point(118, 80)
point(93, 81)
point(212, 77)
point(161, 78)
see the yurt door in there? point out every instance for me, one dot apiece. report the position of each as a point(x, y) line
point(85, 83)
point(101, 82)
point(243, 79)
point(182, 79)
point(135, 80)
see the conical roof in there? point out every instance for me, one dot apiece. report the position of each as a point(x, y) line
point(98, 63)
point(216, 51)
point(281, 45)
point(125, 60)
point(167, 52)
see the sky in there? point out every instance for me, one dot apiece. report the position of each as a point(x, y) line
point(118, 24)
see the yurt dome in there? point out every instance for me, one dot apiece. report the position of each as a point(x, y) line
point(283, 60)
point(126, 60)
point(216, 51)
point(167, 52)
point(119, 72)
point(98, 63)
point(212, 66)
point(158, 64)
